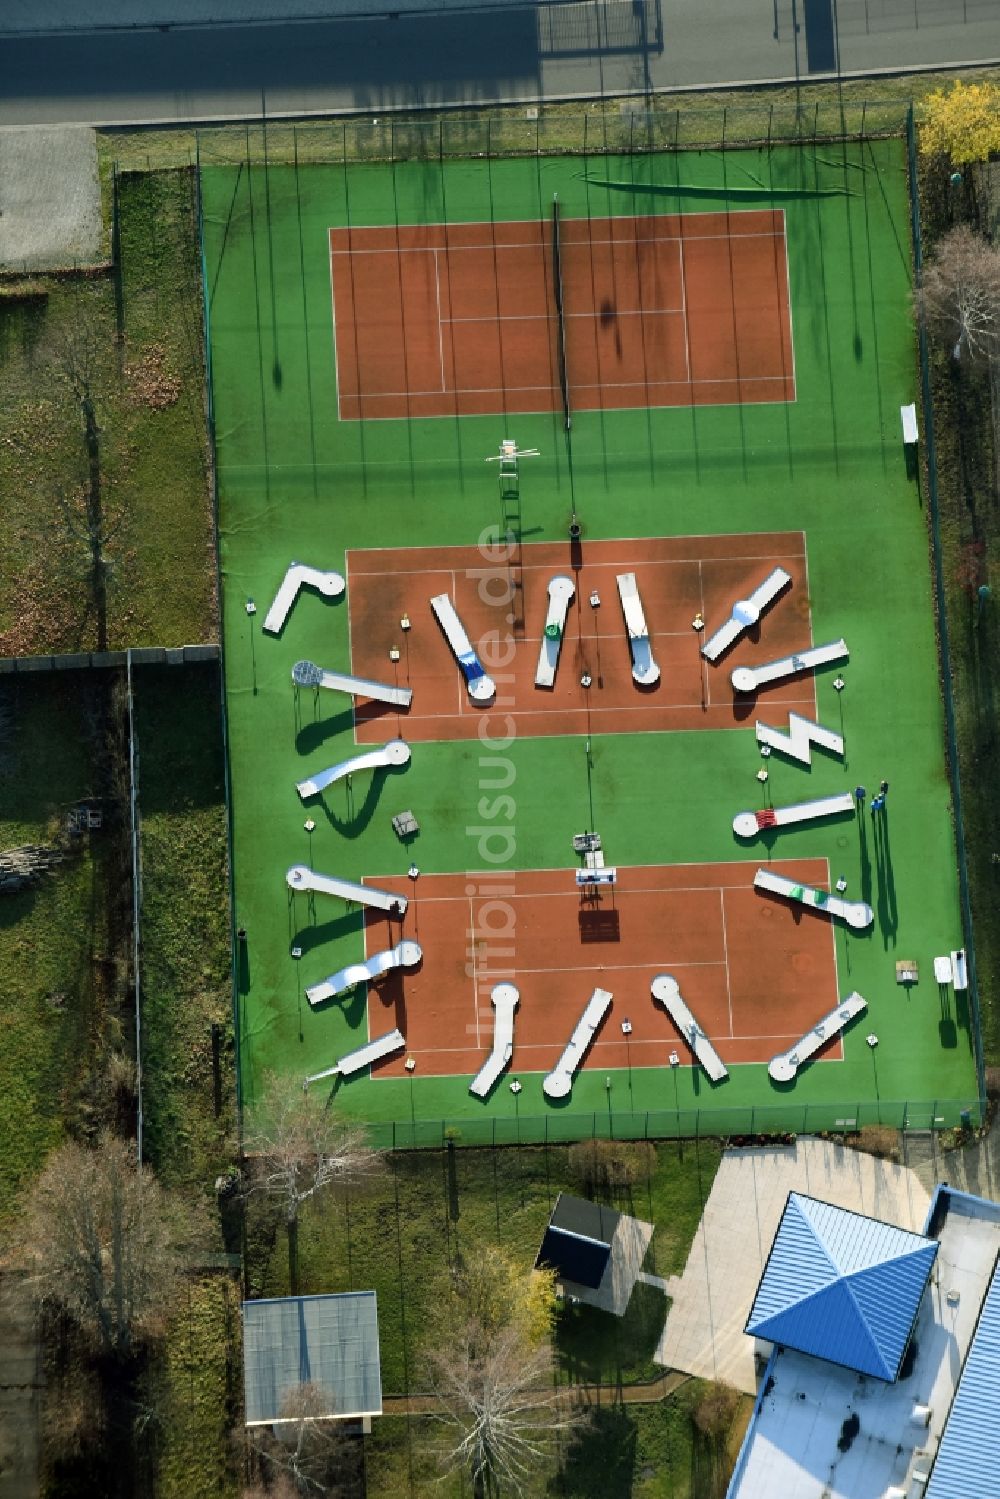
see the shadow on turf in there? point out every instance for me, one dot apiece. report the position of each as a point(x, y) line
point(358, 817)
point(311, 736)
point(600, 1459)
point(309, 937)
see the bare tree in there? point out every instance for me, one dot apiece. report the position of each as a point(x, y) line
point(501, 1411)
point(959, 296)
point(297, 1147)
point(305, 1452)
point(101, 1236)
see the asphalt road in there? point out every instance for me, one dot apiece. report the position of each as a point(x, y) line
point(551, 50)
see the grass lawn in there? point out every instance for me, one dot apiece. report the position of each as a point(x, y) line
point(650, 1451)
point(153, 442)
point(185, 925)
point(432, 1206)
point(829, 464)
point(195, 1391)
point(52, 943)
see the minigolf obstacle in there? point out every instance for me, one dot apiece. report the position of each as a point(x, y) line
point(561, 591)
point(300, 877)
point(786, 1064)
point(644, 668)
point(299, 576)
point(505, 999)
point(308, 674)
point(395, 753)
point(667, 992)
point(856, 913)
point(479, 684)
point(749, 824)
point(747, 679)
point(404, 955)
point(745, 613)
point(559, 1081)
point(365, 1056)
point(802, 734)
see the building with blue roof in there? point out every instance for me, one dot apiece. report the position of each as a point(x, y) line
point(968, 1457)
point(822, 1426)
point(842, 1287)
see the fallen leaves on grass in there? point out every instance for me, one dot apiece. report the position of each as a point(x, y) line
point(149, 382)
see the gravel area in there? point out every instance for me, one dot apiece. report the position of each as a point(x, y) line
point(50, 198)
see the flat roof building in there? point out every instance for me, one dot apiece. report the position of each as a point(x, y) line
point(822, 1429)
point(327, 1342)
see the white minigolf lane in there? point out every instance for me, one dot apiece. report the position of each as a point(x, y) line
point(404, 955)
point(365, 1056)
point(560, 1080)
point(856, 913)
point(749, 824)
point(479, 684)
point(786, 1064)
point(505, 999)
point(330, 584)
point(745, 613)
point(747, 679)
point(644, 668)
point(395, 753)
point(308, 674)
point(300, 877)
point(667, 992)
point(561, 592)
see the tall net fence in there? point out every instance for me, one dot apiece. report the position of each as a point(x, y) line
point(633, 129)
point(779, 1120)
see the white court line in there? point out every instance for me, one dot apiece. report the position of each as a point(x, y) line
point(475, 970)
point(546, 316)
point(620, 242)
point(808, 703)
point(612, 1040)
point(687, 340)
point(725, 949)
point(546, 567)
point(437, 297)
point(788, 304)
point(572, 893)
point(513, 390)
point(706, 685)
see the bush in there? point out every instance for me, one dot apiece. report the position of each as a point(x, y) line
point(963, 124)
point(611, 1165)
point(716, 1411)
point(878, 1140)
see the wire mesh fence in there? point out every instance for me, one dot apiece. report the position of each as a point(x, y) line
point(760, 1121)
point(638, 126)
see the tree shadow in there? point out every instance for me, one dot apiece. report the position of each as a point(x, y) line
point(599, 1460)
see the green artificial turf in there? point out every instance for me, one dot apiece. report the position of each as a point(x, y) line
point(296, 482)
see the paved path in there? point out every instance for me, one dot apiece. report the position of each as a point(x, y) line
point(711, 1299)
point(586, 1394)
point(21, 1383)
point(513, 52)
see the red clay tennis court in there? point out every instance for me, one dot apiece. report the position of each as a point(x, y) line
point(756, 974)
point(502, 603)
point(659, 310)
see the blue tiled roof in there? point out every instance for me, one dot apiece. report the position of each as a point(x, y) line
point(841, 1286)
point(968, 1459)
